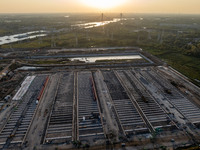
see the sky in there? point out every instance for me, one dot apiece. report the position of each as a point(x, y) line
point(87, 6)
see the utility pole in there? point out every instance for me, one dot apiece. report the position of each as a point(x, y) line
point(52, 41)
point(121, 16)
point(102, 17)
point(162, 35)
point(138, 39)
point(76, 42)
point(149, 35)
point(158, 38)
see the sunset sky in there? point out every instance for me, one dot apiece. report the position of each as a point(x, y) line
point(125, 6)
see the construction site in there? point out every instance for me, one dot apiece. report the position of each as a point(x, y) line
point(101, 103)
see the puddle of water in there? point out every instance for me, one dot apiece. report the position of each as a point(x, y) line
point(94, 59)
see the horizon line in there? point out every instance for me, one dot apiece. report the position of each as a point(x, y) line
point(158, 13)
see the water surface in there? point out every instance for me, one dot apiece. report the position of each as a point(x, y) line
point(21, 37)
point(94, 59)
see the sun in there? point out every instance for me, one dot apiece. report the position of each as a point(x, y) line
point(103, 4)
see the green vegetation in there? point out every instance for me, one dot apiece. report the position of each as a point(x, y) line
point(28, 44)
point(2, 31)
point(193, 50)
point(188, 65)
point(46, 62)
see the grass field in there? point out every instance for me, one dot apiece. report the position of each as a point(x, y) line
point(187, 65)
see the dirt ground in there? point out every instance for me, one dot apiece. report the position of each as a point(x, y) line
point(36, 131)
